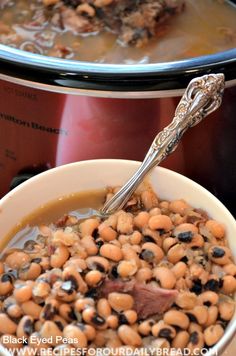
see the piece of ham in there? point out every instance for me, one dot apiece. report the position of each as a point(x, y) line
point(148, 299)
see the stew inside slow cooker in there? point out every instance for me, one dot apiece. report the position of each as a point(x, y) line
point(112, 31)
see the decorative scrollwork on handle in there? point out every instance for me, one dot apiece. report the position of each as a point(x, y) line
point(202, 96)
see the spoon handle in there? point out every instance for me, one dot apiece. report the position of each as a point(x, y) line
point(202, 96)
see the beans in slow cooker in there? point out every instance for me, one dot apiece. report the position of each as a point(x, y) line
point(157, 278)
point(118, 31)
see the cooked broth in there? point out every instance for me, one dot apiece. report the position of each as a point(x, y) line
point(78, 204)
point(204, 27)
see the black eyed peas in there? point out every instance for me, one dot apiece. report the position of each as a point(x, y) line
point(135, 238)
point(89, 332)
point(186, 300)
point(208, 298)
point(130, 254)
point(194, 327)
point(120, 301)
point(112, 321)
point(66, 311)
point(158, 222)
point(226, 310)
point(25, 327)
point(104, 308)
point(14, 311)
point(162, 330)
point(179, 269)
point(22, 292)
point(97, 263)
point(145, 327)
point(197, 241)
point(114, 344)
point(141, 219)
point(92, 278)
point(50, 328)
point(59, 257)
point(179, 206)
point(155, 211)
point(168, 243)
point(181, 339)
point(98, 282)
point(41, 289)
point(59, 321)
point(74, 332)
point(229, 284)
point(30, 271)
point(7, 326)
point(31, 308)
point(111, 252)
point(165, 276)
point(176, 253)
point(6, 284)
point(176, 318)
point(216, 229)
point(72, 277)
point(149, 199)
point(129, 336)
point(100, 340)
point(230, 269)
point(127, 268)
point(212, 315)
point(37, 325)
point(196, 342)
point(51, 308)
point(212, 334)
point(199, 313)
point(160, 343)
point(220, 254)
point(144, 274)
point(151, 252)
point(1, 268)
point(129, 316)
point(107, 233)
point(125, 223)
point(88, 226)
point(83, 303)
point(90, 246)
point(186, 228)
point(17, 259)
point(65, 237)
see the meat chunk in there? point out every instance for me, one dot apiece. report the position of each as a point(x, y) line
point(75, 22)
point(137, 21)
point(134, 21)
point(148, 299)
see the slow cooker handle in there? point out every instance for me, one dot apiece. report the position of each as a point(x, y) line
point(27, 173)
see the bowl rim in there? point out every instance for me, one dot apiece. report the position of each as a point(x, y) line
point(231, 329)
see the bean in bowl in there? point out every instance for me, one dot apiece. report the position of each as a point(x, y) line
point(157, 274)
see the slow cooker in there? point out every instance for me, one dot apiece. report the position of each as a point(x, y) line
point(55, 111)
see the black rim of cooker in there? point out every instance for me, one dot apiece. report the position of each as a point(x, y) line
point(113, 77)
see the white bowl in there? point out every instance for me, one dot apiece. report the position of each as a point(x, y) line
point(95, 174)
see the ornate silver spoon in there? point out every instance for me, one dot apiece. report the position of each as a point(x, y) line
point(202, 96)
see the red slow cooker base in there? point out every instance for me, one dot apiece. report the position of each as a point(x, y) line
point(45, 129)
